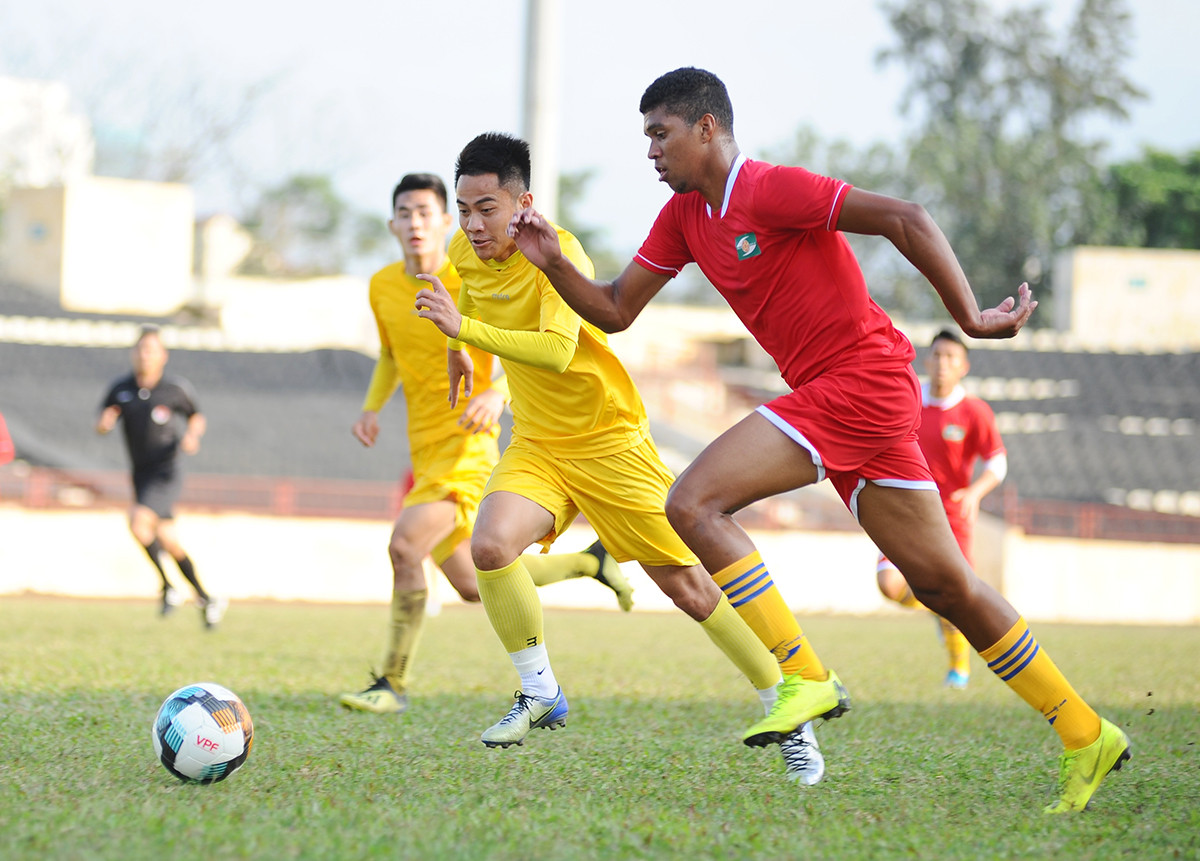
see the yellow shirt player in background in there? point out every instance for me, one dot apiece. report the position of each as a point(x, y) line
point(453, 450)
point(581, 444)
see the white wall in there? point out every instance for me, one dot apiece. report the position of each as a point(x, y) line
point(90, 553)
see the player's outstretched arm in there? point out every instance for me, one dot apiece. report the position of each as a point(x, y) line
point(911, 229)
point(608, 305)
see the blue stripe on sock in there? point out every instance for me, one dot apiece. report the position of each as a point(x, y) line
point(999, 668)
point(754, 585)
point(1019, 645)
point(751, 597)
point(1020, 666)
point(752, 579)
point(736, 582)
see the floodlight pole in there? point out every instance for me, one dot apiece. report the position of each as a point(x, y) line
point(540, 118)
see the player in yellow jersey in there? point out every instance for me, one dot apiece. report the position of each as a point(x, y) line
point(581, 444)
point(452, 450)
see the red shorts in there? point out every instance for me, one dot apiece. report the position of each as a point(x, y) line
point(858, 425)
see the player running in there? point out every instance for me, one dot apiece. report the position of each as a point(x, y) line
point(770, 240)
point(581, 444)
point(452, 450)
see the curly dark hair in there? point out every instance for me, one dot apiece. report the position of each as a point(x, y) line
point(690, 93)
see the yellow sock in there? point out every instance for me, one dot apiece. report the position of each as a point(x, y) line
point(734, 637)
point(408, 613)
point(512, 605)
point(909, 600)
point(752, 592)
point(957, 648)
point(1022, 664)
point(546, 568)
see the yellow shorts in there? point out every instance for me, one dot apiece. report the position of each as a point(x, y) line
point(621, 495)
point(455, 469)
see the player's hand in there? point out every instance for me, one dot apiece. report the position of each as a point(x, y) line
point(968, 501)
point(482, 411)
point(108, 419)
point(189, 443)
point(1007, 318)
point(462, 372)
point(435, 303)
point(536, 237)
point(366, 429)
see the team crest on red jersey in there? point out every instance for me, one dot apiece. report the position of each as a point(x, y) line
point(954, 433)
point(747, 246)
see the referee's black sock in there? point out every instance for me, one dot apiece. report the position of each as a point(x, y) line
point(189, 571)
point(153, 549)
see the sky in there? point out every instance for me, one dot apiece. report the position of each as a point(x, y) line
point(367, 90)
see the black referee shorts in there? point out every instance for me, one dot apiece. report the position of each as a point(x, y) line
point(158, 488)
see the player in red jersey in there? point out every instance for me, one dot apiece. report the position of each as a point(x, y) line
point(770, 240)
point(957, 430)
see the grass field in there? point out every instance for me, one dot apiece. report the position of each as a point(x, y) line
point(649, 766)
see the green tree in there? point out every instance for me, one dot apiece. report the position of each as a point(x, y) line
point(999, 154)
point(303, 228)
point(1151, 202)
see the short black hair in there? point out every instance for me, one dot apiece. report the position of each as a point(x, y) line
point(146, 330)
point(690, 93)
point(495, 152)
point(421, 182)
point(951, 336)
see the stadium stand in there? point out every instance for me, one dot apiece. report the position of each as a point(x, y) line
point(1094, 439)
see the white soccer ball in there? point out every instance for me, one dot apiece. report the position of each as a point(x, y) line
point(202, 733)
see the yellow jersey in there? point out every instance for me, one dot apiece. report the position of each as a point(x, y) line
point(591, 409)
point(412, 354)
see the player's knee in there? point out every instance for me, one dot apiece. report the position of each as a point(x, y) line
point(489, 553)
point(403, 554)
point(891, 583)
point(946, 594)
point(682, 508)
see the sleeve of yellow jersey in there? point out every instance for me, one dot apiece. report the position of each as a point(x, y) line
point(553, 345)
point(384, 379)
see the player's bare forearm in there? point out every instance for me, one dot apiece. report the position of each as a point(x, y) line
point(609, 305)
point(916, 236)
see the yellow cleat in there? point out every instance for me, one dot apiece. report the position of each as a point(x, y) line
point(610, 574)
point(1081, 771)
point(379, 699)
point(800, 700)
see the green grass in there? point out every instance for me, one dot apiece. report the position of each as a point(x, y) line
point(649, 766)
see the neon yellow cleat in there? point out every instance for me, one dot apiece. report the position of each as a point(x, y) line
point(610, 574)
point(1081, 771)
point(800, 700)
point(380, 698)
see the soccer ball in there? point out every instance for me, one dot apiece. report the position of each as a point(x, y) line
point(202, 733)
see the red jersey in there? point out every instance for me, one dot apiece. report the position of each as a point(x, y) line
point(6, 444)
point(953, 435)
point(775, 254)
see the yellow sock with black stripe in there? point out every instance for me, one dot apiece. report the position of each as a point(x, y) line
point(408, 614)
point(733, 637)
point(1022, 664)
point(512, 605)
point(749, 587)
point(546, 568)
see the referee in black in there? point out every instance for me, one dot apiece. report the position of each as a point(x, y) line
point(160, 418)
